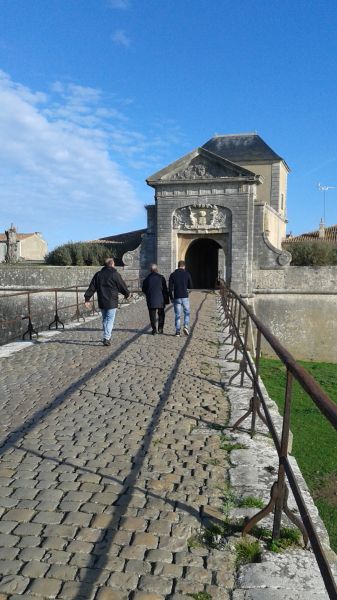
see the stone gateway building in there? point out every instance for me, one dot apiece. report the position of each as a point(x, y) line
point(221, 208)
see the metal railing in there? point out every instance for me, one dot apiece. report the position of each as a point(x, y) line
point(24, 309)
point(243, 326)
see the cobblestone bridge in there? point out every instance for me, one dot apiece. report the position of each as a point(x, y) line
point(110, 465)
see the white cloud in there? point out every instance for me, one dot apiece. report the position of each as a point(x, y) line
point(120, 38)
point(64, 155)
point(55, 162)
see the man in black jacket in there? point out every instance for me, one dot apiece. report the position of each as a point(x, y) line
point(180, 282)
point(108, 284)
point(156, 292)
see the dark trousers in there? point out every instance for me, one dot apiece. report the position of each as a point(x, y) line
point(161, 318)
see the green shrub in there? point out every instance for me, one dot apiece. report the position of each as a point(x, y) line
point(312, 253)
point(81, 253)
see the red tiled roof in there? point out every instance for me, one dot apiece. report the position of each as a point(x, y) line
point(19, 236)
point(330, 235)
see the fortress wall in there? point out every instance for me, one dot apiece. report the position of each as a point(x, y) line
point(299, 305)
point(41, 276)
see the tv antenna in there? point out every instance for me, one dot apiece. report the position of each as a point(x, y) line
point(325, 188)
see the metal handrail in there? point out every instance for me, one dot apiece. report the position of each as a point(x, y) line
point(236, 310)
point(31, 314)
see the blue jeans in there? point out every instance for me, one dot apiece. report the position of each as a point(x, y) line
point(108, 319)
point(177, 304)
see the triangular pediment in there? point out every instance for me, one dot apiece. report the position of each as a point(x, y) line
point(200, 165)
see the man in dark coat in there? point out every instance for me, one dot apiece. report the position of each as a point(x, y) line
point(108, 284)
point(156, 292)
point(180, 282)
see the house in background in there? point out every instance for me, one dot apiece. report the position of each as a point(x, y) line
point(24, 246)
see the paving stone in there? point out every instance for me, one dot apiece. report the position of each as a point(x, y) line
point(35, 569)
point(145, 539)
point(139, 567)
point(48, 518)
point(85, 547)
point(13, 584)
point(10, 567)
point(29, 541)
point(105, 593)
point(159, 556)
point(59, 557)
point(78, 518)
point(19, 515)
point(72, 590)
point(123, 581)
point(32, 554)
point(148, 583)
point(28, 529)
point(62, 572)
point(48, 588)
point(133, 524)
point(8, 540)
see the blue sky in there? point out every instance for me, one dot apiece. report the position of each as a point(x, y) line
point(96, 95)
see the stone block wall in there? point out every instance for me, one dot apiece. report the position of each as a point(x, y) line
point(299, 305)
point(33, 276)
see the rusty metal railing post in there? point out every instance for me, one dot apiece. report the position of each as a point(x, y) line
point(256, 400)
point(30, 329)
point(57, 319)
point(279, 504)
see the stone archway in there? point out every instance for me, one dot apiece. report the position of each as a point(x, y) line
point(202, 261)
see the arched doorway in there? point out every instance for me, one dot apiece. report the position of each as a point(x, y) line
point(202, 261)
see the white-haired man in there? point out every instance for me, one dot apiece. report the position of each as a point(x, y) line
point(155, 289)
point(108, 284)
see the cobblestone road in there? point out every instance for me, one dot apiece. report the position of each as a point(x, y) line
point(108, 465)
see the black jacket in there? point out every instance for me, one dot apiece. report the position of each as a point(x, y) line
point(180, 282)
point(107, 283)
point(155, 288)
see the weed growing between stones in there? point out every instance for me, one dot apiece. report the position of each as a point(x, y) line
point(195, 541)
point(247, 551)
point(250, 502)
point(201, 596)
point(289, 536)
point(228, 445)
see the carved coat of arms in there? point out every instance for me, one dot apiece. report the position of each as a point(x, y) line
point(207, 217)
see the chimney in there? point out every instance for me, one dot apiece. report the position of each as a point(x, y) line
point(321, 231)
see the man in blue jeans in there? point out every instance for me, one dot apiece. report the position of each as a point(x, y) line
point(180, 282)
point(108, 284)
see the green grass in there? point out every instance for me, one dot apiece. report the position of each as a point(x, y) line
point(251, 502)
point(247, 552)
point(315, 440)
point(201, 596)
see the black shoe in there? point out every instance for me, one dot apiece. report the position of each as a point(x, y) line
point(177, 333)
point(160, 331)
point(106, 342)
point(154, 332)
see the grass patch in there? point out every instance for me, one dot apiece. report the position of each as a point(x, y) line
point(315, 440)
point(226, 443)
point(195, 541)
point(247, 552)
point(250, 502)
point(289, 536)
point(201, 596)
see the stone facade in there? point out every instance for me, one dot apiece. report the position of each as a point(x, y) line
point(237, 207)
